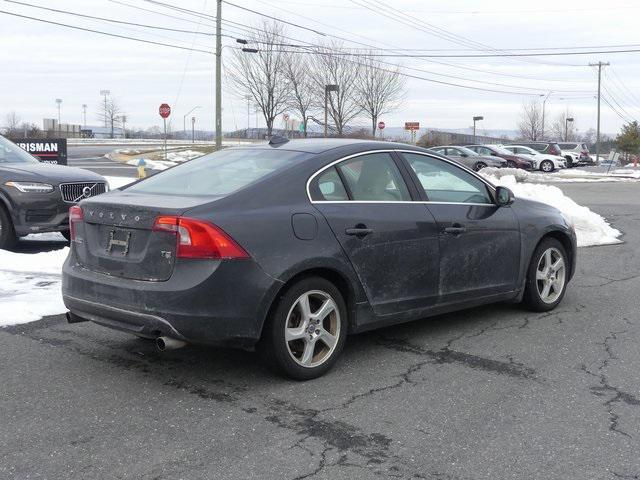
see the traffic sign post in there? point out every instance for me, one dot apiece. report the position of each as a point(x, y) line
point(381, 126)
point(165, 111)
point(413, 127)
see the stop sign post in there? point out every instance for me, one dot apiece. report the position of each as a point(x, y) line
point(165, 111)
point(381, 126)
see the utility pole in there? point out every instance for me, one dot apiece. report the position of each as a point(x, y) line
point(248, 107)
point(84, 114)
point(599, 65)
point(219, 75)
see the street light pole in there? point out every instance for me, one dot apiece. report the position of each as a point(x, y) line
point(476, 119)
point(84, 114)
point(544, 107)
point(327, 89)
point(219, 74)
point(599, 65)
point(184, 118)
point(58, 101)
point(566, 128)
point(105, 94)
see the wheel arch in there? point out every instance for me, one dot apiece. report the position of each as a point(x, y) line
point(350, 292)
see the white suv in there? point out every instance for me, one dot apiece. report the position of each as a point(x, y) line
point(576, 152)
point(541, 161)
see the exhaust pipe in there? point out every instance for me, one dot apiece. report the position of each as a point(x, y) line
point(73, 318)
point(168, 343)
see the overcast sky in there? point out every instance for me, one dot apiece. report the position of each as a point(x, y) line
point(42, 62)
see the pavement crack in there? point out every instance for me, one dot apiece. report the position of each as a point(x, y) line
point(605, 389)
point(447, 355)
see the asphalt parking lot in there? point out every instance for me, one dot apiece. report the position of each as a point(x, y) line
point(489, 393)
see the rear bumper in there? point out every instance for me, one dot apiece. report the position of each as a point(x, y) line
point(206, 302)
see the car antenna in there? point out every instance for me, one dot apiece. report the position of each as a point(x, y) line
point(277, 140)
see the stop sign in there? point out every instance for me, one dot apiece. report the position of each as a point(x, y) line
point(381, 125)
point(165, 110)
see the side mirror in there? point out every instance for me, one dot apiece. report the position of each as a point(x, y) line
point(504, 196)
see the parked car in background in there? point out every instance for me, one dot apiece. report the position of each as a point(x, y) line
point(291, 246)
point(541, 161)
point(577, 153)
point(550, 148)
point(469, 158)
point(513, 161)
point(35, 197)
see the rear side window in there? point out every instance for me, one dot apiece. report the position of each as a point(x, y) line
point(374, 177)
point(444, 182)
point(219, 173)
point(328, 187)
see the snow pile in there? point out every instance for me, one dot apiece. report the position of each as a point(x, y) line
point(563, 176)
point(591, 228)
point(30, 285)
point(183, 155)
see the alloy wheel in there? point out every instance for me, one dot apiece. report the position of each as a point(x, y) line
point(546, 166)
point(312, 328)
point(550, 275)
point(480, 166)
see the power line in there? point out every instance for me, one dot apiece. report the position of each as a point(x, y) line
point(625, 120)
point(109, 19)
point(126, 37)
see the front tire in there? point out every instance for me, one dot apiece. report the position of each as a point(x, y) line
point(547, 276)
point(511, 164)
point(8, 237)
point(546, 166)
point(307, 330)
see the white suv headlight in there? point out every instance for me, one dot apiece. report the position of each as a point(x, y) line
point(31, 187)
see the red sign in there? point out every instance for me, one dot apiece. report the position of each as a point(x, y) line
point(381, 125)
point(164, 110)
point(412, 125)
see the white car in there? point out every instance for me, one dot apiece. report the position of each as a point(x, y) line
point(541, 161)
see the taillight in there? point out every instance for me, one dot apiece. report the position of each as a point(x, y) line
point(75, 216)
point(199, 239)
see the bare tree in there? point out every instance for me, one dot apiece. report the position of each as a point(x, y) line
point(300, 80)
point(379, 91)
point(261, 75)
point(113, 112)
point(530, 124)
point(563, 129)
point(341, 70)
point(11, 124)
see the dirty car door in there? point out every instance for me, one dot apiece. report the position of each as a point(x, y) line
point(390, 240)
point(479, 241)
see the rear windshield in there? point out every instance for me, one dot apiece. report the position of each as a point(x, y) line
point(218, 173)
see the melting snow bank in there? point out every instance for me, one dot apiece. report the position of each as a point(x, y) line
point(572, 175)
point(591, 228)
point(30, 286)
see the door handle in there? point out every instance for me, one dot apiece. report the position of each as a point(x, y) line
point(359, 232)
point(456, 229)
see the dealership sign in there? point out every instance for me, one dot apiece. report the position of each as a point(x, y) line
point(412, 126)
point(47, 150)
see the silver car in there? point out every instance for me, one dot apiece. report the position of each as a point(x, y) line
point(469, 158)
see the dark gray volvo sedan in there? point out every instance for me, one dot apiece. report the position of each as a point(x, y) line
point(290, 246)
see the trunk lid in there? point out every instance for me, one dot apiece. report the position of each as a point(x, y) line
point(117, 237)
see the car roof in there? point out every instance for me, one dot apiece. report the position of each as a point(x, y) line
point(321, 145)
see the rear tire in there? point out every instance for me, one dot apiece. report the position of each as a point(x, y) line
point(8, 237)
point(546, 166)
point(306, 331)
point(547, 276)
point(479, 166)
